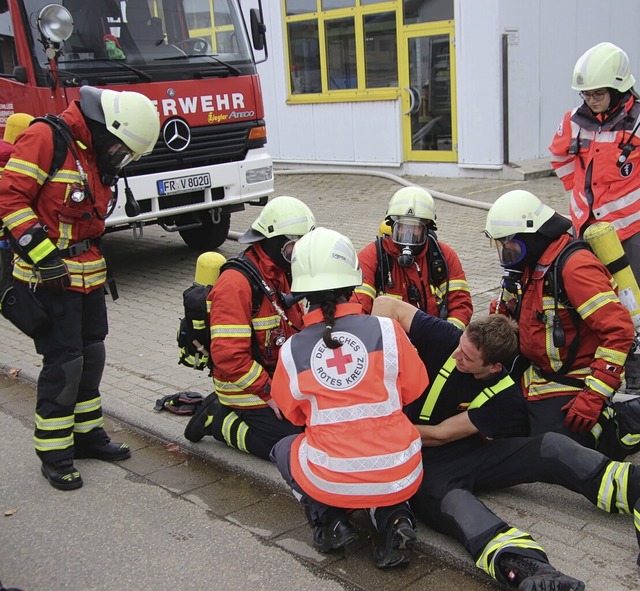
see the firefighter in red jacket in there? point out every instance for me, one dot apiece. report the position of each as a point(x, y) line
point(578, 342)
point(245, 347)
point(55, 228)
point(346, 378)
point(596, 155)
point(412, 264)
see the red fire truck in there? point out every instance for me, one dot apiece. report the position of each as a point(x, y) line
point(194, 59)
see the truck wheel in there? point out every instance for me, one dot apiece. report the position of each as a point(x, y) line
point(6, 255)
point(209, 236)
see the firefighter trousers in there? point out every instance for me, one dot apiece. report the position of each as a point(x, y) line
point(616, 435)
point(254, 431)
point(454, 473)
point(68, 406)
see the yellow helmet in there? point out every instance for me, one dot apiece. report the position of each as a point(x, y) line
point(516, 212)
point(130, 116)
point(323, 260)
point(603, 66)
point(282, 216)
point(414, 202)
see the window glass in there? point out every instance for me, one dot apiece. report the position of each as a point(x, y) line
point(430, 79)
point(341, 54)
point(333, 4)
point(380, 50)
point(197, 13)
point(304, 57)
point(427, 11)
point(300, 6)
point(221, 13)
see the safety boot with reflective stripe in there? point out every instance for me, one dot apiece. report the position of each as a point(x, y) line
point(62, 474)
point(529, 574)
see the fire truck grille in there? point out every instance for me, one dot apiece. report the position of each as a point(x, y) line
point(210, 145)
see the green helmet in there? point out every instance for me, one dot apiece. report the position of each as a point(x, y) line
point(516, 212)
point(282, 216)
point(129, 116)
point(414, 202)
point(324, 260)
point(603, 66)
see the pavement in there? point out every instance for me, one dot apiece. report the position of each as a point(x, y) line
point(152, 273)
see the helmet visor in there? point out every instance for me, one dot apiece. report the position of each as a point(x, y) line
point(409, 232)
point(511, 250)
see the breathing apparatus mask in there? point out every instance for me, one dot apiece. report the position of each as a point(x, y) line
point(409, 235)
point(111, 154)
point(280, 249)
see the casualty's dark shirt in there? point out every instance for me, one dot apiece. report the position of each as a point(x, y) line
point(503, 415)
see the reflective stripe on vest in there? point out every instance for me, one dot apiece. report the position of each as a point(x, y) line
point(359, 489)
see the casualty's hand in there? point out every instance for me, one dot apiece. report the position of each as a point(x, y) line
point(583, 411)
point(54, 274)
point(271, 403)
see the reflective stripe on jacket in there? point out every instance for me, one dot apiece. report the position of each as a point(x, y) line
point(358, 450)
point(460, 307)
point(239, 378)
point(605, 327)
point(25, 198)
point(601, 190)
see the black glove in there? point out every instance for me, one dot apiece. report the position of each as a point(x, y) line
point(54, 274)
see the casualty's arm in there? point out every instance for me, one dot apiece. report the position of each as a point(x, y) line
point(457, 427)
point(398, 310)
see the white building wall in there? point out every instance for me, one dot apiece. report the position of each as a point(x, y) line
point(545, 39)
point(551, 35)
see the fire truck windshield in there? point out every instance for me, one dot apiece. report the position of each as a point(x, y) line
point(152, 39)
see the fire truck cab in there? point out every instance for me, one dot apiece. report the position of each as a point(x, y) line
point(194, 59)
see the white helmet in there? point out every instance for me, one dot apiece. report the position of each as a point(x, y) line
point(516, 212)
point(324, 260)
point(130, 116)
point(603, 66)
point(414, 202)
point(282, 216)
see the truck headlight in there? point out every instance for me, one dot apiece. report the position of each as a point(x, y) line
point(258, 175)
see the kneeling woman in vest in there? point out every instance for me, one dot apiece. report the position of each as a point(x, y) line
point(346, 377)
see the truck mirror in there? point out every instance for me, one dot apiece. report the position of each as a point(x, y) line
point(20, 74)
point(258, 29)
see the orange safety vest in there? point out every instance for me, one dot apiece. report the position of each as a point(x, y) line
point(359, 450)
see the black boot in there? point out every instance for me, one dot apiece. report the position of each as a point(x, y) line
point(201, 423)
point(334, 531)
point(529, 574)
point(97, 445)
point(61, 474)
point(397, 537)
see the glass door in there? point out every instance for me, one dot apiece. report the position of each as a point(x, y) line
point(428, 98)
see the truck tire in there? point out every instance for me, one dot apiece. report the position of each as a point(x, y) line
point(6, 256)
point(209, 236)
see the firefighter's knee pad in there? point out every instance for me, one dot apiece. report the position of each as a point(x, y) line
point(68, 377)
point(570, 456)
point(470, 516)
point(628, 415)
point(94, 359)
